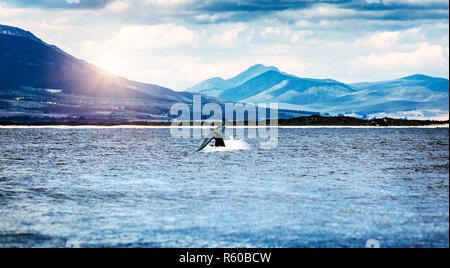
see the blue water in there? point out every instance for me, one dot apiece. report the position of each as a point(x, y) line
point(142, 188)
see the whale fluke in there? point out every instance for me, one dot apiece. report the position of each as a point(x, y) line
point(219, 142)
point(216, 135)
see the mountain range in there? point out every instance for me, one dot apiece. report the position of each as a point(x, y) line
point(40, 82)
point(416, 96)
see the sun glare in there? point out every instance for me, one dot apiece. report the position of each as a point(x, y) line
point(110, 65)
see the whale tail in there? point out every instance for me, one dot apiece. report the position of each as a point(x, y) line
point(215, 135)
point(219, 142)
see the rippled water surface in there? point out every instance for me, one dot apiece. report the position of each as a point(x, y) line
point(143, 188)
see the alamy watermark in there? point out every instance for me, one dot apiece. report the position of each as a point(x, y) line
point(242, 121)
point(72, 243)
point(373, 243)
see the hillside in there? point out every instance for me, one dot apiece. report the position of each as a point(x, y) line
point(38, 80)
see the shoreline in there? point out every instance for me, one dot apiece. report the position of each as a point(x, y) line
point(121, 126)
point(314, 121)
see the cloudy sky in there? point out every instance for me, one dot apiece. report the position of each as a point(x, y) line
point(177, 43)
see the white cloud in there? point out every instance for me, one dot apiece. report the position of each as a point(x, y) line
point(9, 12)
point(228, 38)
point(268, 31)
point(140, 37)
point(169, 2)
point(207, 18)
point(420, 60)
point(118, 6)
point(383, 40)
point(321, 12)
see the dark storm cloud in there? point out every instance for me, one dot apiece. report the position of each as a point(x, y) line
point(364, 9)
point(277, 5)
point(260, 5)
point(247, 10)
point(365, 5)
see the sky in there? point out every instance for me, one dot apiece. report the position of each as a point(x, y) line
point(178, 43)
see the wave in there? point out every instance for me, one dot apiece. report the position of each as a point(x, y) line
point(231, 145)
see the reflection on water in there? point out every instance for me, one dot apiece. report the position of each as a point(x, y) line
point(142, 188)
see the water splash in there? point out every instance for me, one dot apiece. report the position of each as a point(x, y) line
point(231, 145)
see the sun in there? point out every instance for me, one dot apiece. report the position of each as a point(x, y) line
point(110, 65)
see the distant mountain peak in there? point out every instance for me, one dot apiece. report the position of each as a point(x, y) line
point(261, 66)
point(214, 86)
point(14, 31)
point(254, 71)
point(417, 77)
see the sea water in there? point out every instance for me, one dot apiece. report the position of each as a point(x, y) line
point(139, 187)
